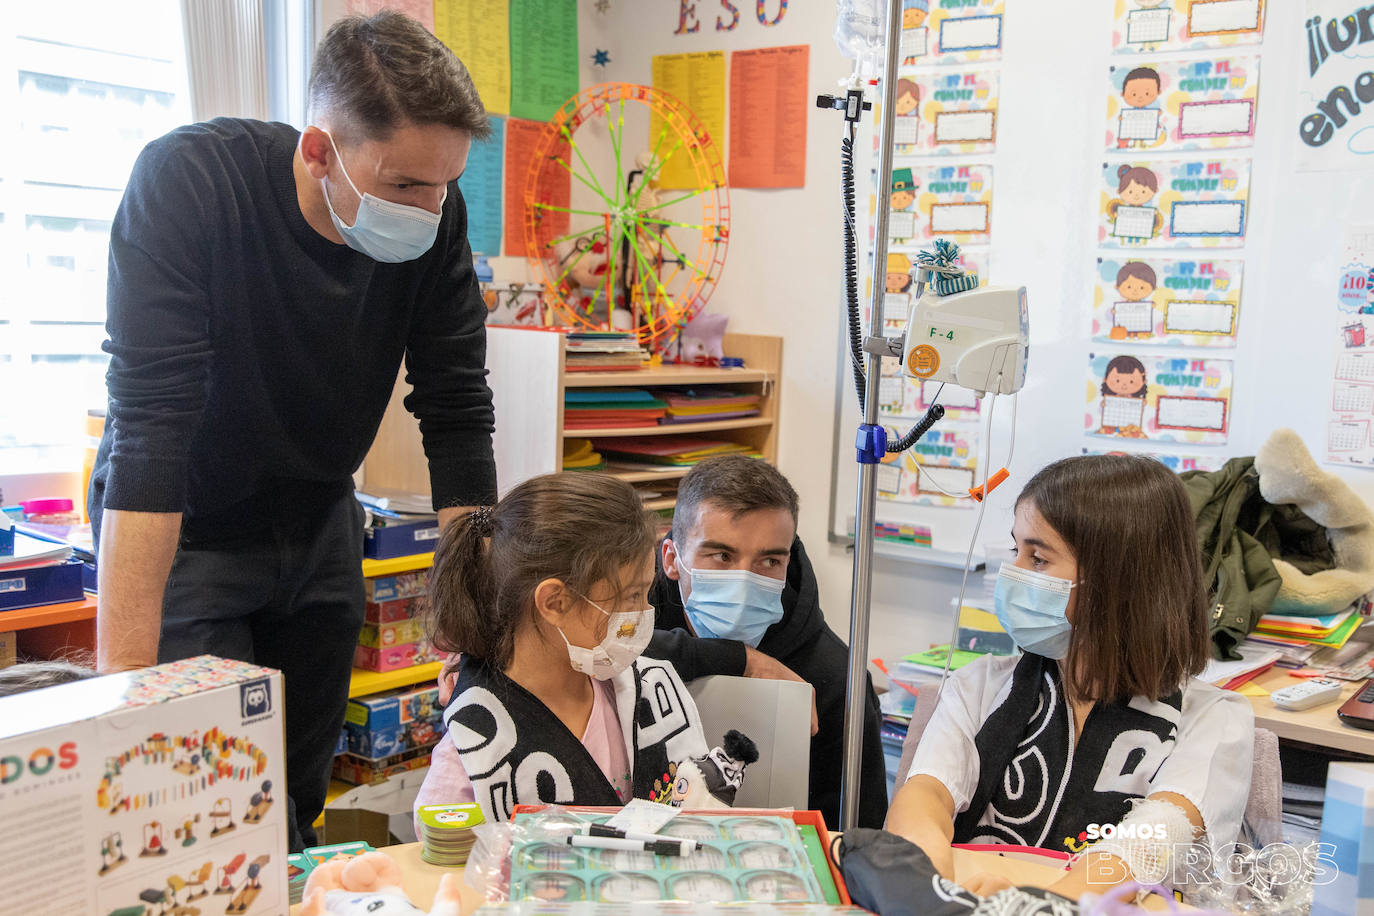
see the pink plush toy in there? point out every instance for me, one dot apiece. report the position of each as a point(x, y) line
point(370, 884)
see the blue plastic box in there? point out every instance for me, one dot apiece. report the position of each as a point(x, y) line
point(401, 540)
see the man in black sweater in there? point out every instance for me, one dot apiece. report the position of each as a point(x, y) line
point(736, 594)
point(264, 285)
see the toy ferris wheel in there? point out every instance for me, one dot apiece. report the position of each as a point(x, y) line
point(621, 250)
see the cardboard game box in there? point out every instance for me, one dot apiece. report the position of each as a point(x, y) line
point(386, 724)
point(152, 791)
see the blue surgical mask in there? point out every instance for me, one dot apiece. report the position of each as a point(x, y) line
point(1032, 608)
point(733, 604)
point(383, 230)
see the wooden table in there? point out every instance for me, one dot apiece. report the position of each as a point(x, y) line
point(1317, 726)
point(421, 880)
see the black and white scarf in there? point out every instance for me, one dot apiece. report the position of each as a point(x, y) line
point(1037, 788)
point(517, 752)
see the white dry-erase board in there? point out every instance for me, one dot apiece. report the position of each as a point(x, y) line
point(1231, 330)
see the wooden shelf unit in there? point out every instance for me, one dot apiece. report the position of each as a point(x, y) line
point(528, 378)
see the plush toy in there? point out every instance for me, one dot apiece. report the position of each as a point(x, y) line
point(370, 884)
point(702, 340)
point(710, 781)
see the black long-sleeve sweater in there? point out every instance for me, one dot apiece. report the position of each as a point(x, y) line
point(252, 358)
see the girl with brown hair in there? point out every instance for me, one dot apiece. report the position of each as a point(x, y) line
point(545, 596)
point(1102, 719)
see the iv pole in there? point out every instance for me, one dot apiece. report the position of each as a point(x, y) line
point(869, 451)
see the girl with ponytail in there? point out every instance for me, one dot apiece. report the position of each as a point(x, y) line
point(545, 597)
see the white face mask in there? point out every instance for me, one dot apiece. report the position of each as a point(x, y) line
point(627, 635)
point(384, 230)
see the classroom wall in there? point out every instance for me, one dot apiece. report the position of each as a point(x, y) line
point(783, 273)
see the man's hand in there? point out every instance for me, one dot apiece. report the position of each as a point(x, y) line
point(756, 664)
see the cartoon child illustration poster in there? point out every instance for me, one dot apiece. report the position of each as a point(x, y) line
point(1187, 104)
point(1149, 26)
point(956, 203)
point(1192, 303)
point(901, 222)
point(937, 471)
point(957, 111)
point(907, 399)
point(915, 35)
point(1161, 398)
point(908, 109)
point(1176, 463)
point(963, 32)
point(1187, 203)
point(976, 261)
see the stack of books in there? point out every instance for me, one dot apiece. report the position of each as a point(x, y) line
point(628, 408)
point(397, 524)
point(589, 351)
point(676, 451)
point(705, 404)
point(579, 455)
point(1301, 633)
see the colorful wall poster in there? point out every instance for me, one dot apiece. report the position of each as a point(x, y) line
point(936, 471)
point(543, 57)
point(1186, 203)
point(522, 139)
point(1350, 428)
point(1162, 398)
point(900, 285)
point(478, 33)
point(1176, 463)
point(1190, 303)
point(900, 395)
point(946, 112)
point(950, 31)
point(481, 185)
point(1182, 104)
point(698, 80)
point(1335, 128)
point(941, 201)
point(1152, 26)
point(769, 102)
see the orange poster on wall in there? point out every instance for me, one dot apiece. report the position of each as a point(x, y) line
point(768, 117)
point(554, 187)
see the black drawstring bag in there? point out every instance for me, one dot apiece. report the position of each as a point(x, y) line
point(892, 876)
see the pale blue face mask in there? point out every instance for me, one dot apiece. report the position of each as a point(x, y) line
point(383, 230)
point(733, 604)
point(1032, 607)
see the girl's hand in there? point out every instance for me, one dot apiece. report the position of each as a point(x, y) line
point(985, 884)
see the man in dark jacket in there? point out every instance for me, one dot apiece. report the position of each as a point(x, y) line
point(736, 594)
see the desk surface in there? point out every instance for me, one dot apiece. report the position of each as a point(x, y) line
point(1318, 725)
point(421, 879)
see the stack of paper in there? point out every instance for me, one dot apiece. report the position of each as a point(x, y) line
point(1329, 630)
point(38, 570)
point(1253, 661)
point(704, 404)
point(602, 350)
point(678, 451)
point(590, 408)
point(579, 455)
point(32, 552)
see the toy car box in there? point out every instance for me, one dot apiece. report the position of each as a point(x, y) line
point(400, 585)
point(143, 791)
point(386, 724)
point(381, 635)
point(396, 609)
point(391, 658)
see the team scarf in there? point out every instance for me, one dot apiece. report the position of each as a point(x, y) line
point(517, 752)
point(1043, 790)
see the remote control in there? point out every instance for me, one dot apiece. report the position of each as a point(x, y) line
point(1307, 694)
